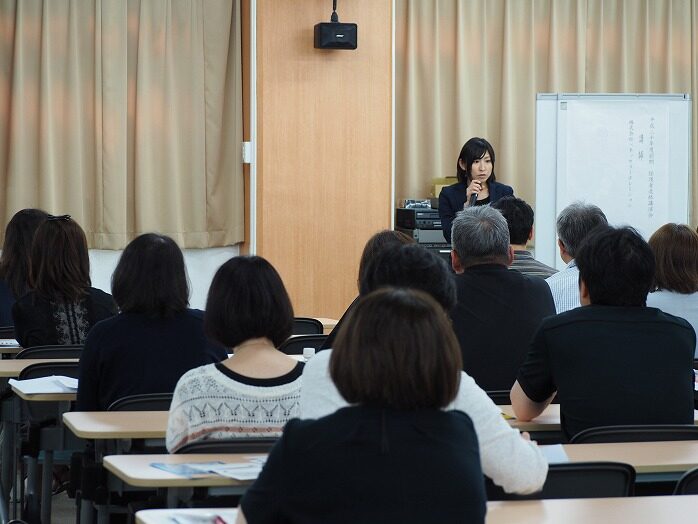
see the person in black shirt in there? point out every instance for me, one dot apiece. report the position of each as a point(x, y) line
point(497, 311)
point(393, 456)
point(612, 361)
point(61, 307)
point(155, 339)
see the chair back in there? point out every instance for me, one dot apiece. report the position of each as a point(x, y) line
point(688, 483)
point(57, 351)
point(577, 480)
point(144, 402)
point(7, 332)
point(233, 445)
point(307, 326)
point(295, 345)
point(499, 396)
point(636, 433)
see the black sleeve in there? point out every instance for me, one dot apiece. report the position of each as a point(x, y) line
point(30, 329)
point(447, 214)
point(262, 502)
point(535, 375)
point(89, 374)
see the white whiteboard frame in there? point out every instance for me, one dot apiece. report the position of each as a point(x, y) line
point(550, 141)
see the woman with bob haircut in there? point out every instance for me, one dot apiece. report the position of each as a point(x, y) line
point(61, 307)
point(14, 262)
point(394, 455)
point(675, 248)
point(256, 390)
point(155, 339)
point(475, 173)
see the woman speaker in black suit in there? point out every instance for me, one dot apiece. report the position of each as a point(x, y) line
point(476, 184)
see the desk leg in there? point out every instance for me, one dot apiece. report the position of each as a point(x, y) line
point(46, 487)
point(8, 446)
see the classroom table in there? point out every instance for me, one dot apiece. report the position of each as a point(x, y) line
point(637, 510)
point(621, 510)
point(167, 516)
point(328, 324)
point(12, 368)
point(549, 420)
point(100, 425)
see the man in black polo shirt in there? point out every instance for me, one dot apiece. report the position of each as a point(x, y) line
point(497, 310)
point(612, 361)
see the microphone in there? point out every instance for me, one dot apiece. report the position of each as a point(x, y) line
point(473, 199)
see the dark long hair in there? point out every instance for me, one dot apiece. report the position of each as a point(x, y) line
point(150, 277)
point(60, 266)
point(14, 263)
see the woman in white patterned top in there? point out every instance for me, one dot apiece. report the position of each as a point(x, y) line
point(257, 389)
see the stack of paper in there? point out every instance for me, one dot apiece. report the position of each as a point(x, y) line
point(249, 470)
point(9, 343)
point(45, 385)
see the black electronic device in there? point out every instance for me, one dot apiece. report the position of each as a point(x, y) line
point(419, 218)
point(335, 34)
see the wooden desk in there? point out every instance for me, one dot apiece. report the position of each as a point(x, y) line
point(549, 420)
point(12, 368)
point(646, 457)
point(46, 397)
point(638, 510)
point(328, 324)
point(117, 424)
point(136, 470)
point(164, 516)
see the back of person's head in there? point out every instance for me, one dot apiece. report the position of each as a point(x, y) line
point(246, 300)
point(675, 248)
point(398, 351)
point(617, 266)
point(410, 266)
point(575, 222)
point(480, 235)
point(150, 277)
point(377, 243)
point(474, 149)
point(14, 262)
point(519, 217)
point(60, 265)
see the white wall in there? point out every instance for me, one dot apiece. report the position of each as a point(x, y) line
point(201, 266)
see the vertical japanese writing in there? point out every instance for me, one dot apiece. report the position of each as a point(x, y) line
point(631, 140)
point(650, 171)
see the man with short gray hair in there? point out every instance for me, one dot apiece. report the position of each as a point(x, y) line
point(497, 310)
point(574, 224)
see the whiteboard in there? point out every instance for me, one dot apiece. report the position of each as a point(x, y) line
point(630, 154)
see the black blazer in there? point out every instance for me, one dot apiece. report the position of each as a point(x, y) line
point(452, 199)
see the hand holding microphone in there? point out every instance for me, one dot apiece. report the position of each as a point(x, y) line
point(471, 192)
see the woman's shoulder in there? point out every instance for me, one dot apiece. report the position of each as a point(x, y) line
point(500, 189)
point(453, 189)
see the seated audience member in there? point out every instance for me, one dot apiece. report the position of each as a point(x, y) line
point(512, 462)
point(396, 447)
point(61, 307)
point(256, 390)
point(612, 361)
point(155, 339)
point(14, 261)
point(375, 245)
point(574, 223)
point(519, 217)
point(497, 311)
point(675, 289)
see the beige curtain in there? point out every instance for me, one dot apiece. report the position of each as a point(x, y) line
point(126, 115)
point(473, 67)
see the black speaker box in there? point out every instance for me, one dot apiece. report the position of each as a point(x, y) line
point(335, 35)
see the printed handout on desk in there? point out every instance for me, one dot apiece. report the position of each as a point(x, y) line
point(45, 385)
point(555, 454)
point(244, 471)
point(190, 470)
point(9, 343)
